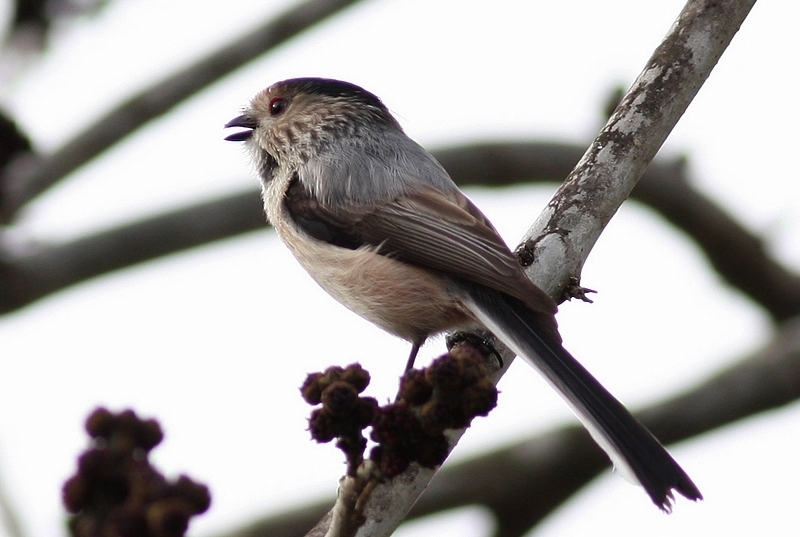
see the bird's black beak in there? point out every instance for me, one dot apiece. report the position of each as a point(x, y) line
point(244, 121)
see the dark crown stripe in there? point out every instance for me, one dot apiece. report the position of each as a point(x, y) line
point(334, 88)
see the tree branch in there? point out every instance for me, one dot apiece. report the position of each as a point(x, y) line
point(564, 234)
point(32, 275)
point(29, 177)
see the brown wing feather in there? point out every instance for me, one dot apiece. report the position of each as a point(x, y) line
point(431, 229)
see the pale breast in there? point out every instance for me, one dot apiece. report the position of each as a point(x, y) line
point(404, 300)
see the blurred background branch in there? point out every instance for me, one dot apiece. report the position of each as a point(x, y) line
point(32, 175)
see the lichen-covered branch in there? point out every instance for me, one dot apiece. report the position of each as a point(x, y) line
point(562, 237)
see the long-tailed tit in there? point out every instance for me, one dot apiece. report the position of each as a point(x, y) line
point(379, 224)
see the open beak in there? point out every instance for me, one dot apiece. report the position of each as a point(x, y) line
point(244, 121)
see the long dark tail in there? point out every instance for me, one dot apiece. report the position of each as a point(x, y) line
point(632, 448)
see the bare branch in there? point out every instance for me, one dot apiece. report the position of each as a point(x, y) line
point(31, 276)
point(565, 233)
point(31, 177)
point(738, 255)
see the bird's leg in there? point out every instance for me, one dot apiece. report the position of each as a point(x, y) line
point(413, 356)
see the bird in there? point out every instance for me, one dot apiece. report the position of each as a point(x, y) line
point(379, 224)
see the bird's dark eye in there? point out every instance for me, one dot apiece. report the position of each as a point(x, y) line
point(277, 105)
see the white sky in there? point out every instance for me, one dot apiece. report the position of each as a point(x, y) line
point(214, 342)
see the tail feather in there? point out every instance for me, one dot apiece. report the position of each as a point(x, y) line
point(635, 452)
